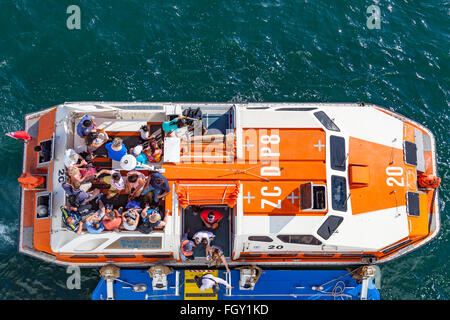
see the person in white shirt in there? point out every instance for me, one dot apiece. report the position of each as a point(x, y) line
point(204, 237)
point(208, 281)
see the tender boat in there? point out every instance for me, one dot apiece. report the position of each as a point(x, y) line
point(319, 184)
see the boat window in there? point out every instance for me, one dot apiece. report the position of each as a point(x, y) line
point(45, 153)
point(299, 239)
point(295, 109)
point(329, 226)
point(412, 204)
point(312, 197)
point(410, 153)
point(306, 196)
point(338, 193)
point(326, 121)
point(260, 238)
point(337, 153)
point(43, 206)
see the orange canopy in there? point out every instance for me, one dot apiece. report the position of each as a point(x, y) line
point(204, 194)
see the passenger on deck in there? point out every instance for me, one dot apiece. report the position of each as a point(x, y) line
point(81, 174)
point(208, 281)
point(112, 219)
point(170, 127)
point(130, 219)
point(134, 184)
point(94, 222)
point(139, 155)
point(78, 198)
point(116, 149)
point(211, 218)
point(144, 131)
point(86, 125)
point(72, 219)
point(95, 140)
point(157, 183)
point(114, 179)
point(214, 255)
point(187, 248)
point(204, 237)
point(154, 151)
point(145, 225)
point(73, 159)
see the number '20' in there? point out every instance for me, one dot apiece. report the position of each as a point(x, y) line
point(395, 173)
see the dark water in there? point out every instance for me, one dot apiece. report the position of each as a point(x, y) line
point(207, 50)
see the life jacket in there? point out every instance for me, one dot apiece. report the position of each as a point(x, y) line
point(28, 181)
point(428, 181)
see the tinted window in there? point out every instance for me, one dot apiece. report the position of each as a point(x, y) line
point(337, 153)
point(326, 121)
point(410, 150)
point(413, 204)
point(329, 226)
point(306, 196)
point(338, 193)
point(299, 239)
point(260, 238)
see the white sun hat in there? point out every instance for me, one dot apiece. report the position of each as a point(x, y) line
point(137, 150)
point(128, 162)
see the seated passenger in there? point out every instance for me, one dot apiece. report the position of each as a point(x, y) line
point(114, 179)
point(81, 174)
point(157, 183)
point(187, 248)
point(95, 140)
point(211, 218)
point(204, 237)
point(116, 149)
point(78, 199)
point(139, 155)
point(154, 151)
point(72, 220)
point(86, 125)
point(112, 219)
point(145, 225)
point(71, 158)
point(214, 255)
point(130, 219)
point(134, 184)
point(155, 219)
point(94, 222)
point(170, 127)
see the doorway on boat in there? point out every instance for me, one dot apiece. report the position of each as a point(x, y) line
point(193, 223)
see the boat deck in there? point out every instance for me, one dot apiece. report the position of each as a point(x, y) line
point(272, 285)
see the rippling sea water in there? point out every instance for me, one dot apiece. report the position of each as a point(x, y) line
point(208, 50)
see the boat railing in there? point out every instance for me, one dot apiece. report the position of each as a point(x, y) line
point(228, 280)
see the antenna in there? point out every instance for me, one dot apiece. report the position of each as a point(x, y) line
point(347, 199)
point(343, 162)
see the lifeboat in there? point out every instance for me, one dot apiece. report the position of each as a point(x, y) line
point(294, 184)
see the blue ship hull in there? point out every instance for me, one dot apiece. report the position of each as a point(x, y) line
point(272, 285)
